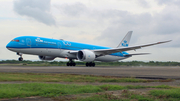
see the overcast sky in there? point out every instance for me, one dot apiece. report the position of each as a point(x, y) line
point(99, 22)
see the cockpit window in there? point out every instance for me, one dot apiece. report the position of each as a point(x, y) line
point(15, 40)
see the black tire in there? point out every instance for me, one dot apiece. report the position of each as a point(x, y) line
point(20, 59)
point(74, 64)
point(90, 64)
point(87, 64)
point(93, 64)
point(68, 64)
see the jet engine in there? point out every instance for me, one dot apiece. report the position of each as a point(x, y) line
point(47, 57)
point(86, 55)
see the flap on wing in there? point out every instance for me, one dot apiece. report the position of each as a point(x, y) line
point(136, 54)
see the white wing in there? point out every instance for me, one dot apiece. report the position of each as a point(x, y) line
point(102, 52)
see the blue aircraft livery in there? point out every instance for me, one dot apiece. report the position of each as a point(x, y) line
point(49, 49)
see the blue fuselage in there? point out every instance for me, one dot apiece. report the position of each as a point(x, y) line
point(45, 46)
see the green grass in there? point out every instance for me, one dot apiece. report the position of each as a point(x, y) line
point(127, 96)
point(118, 87)
point(46, 90)
point(167, 93)
point(132, 95)
point(101, 97)
point(53, 90)
point(41, 77)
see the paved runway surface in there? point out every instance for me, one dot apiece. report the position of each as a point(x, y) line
point(138, 72)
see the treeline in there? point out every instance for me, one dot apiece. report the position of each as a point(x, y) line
point(121, 63)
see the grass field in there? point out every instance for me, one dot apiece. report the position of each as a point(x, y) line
point(126, 95)
point(58, 92)
point(35, 77)
point(53, 90)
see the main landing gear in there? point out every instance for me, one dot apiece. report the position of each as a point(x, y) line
point(90, 64)
point(20, 58)
point(71, 63)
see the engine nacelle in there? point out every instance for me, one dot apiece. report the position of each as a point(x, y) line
point(46, 57)
point(86, 55)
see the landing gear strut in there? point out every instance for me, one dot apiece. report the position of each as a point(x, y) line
point(20, 58)
point(90, 64)
point(71, 63)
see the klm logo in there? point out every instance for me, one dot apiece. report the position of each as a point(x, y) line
point(38, 40)
point(66, 43)
point(125, 43)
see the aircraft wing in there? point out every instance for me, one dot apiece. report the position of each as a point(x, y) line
point(102, 52)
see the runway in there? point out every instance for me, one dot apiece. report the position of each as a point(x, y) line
point(146, 72)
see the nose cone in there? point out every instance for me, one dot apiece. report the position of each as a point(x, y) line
point(8, 45)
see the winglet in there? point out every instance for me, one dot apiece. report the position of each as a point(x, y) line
point(126, 40)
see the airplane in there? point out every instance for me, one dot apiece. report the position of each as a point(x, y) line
point(49, 49)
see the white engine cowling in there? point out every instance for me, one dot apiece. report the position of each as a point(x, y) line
point(86, 55)
point(46, 57)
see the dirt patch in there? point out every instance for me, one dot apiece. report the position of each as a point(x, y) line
point(33, 98)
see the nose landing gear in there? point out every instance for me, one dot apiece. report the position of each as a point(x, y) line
point(20, 58)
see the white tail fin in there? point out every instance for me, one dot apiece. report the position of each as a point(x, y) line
point(126, 40)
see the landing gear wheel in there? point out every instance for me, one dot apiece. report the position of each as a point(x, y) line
point(87, 64)
point(90, 64)
point(68, 64)
point(71, 63)
point(93, 64)
point(20, 59)
point(74, 64)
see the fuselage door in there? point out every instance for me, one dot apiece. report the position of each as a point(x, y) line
point(60, 46)
point(28, 42)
